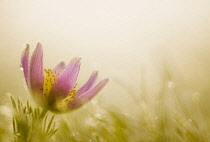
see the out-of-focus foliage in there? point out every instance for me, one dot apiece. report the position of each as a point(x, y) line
point(103, 126)
point(168, 116)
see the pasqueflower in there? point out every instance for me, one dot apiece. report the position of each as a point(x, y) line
point(55, 89)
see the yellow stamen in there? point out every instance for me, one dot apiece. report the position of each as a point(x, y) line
point(71, 95)
point(49, 80)
point(68, 98)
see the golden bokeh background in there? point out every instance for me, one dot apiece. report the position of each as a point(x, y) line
point(130, 41)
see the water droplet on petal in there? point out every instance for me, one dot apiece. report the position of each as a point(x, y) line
point(21, 67)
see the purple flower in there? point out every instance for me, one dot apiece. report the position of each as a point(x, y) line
point(55, 89)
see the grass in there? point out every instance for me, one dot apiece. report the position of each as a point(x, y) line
point(168, 117)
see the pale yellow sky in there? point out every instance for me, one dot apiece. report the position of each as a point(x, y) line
point(116, 37)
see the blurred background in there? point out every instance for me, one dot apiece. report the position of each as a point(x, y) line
point(136, 43)
point(120, 38)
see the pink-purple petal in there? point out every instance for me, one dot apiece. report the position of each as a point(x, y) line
point(77, 102)
point(59, 67)
point(65, 82)
point(36, 70)
point(88, 85)
point(24, 62)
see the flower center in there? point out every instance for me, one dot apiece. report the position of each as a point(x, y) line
point(49, 80)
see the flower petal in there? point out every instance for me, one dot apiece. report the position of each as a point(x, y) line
point(88, 85)
point(77, 102)
point(24, 63)
point(36, 70)
point(65, 82)
point(59, 67)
